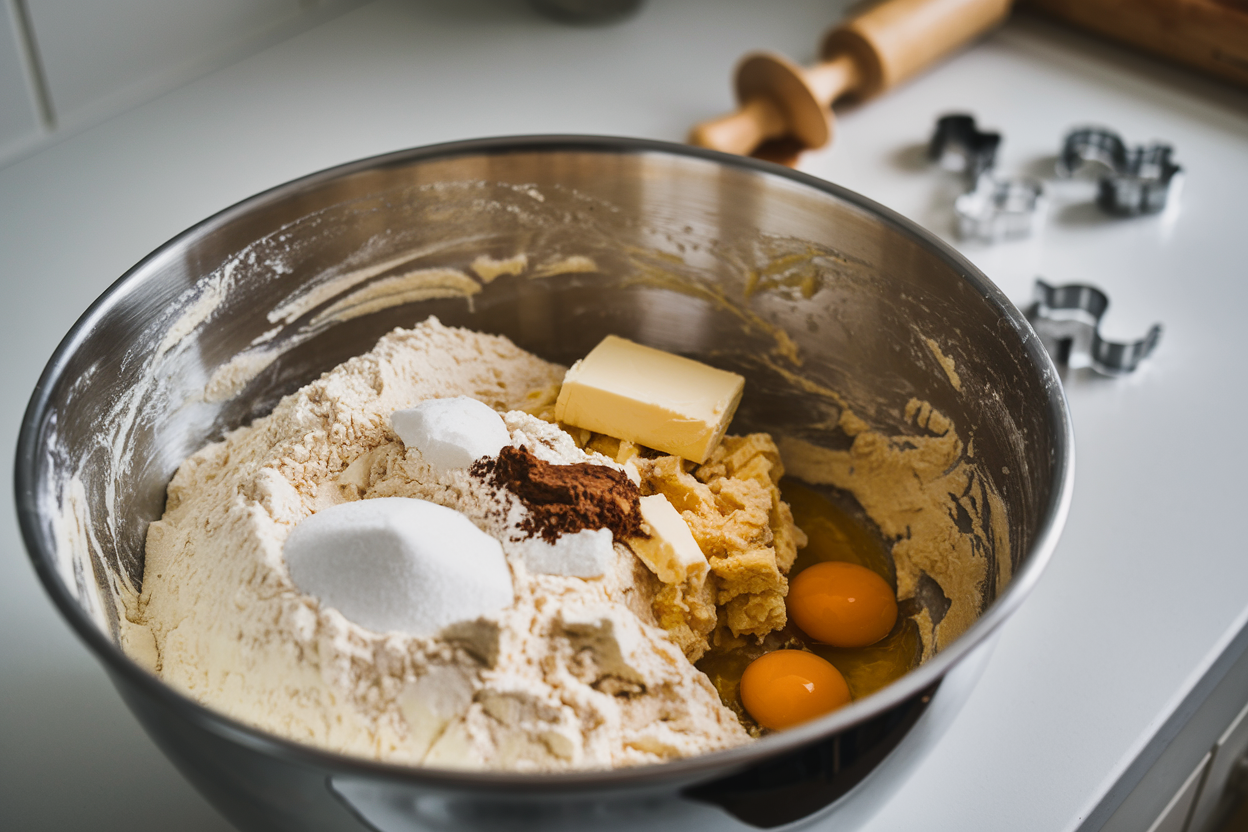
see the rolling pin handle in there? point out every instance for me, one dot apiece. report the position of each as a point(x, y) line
point(831, 79)
point(758, 120)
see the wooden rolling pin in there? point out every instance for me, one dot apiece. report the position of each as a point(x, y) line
point(864, 56)
point(1209, 35)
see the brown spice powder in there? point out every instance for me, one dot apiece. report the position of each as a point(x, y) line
point(564, 499)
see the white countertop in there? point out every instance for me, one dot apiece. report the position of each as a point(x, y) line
point(1148, 584)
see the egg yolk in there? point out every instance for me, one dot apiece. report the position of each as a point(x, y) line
point(842, 604)
point(787, 687)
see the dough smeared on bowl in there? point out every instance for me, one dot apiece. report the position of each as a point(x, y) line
point(928, 497)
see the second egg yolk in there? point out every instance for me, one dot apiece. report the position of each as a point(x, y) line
point(842, 604)
point(788, 687)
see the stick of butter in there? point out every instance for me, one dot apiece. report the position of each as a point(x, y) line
point(670, 551)
point(666, 402)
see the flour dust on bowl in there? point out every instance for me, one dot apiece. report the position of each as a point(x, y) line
point(917, 416)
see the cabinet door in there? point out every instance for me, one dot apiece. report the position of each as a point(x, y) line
point(1174, 817)
point(103, 56)
point(1232, 745)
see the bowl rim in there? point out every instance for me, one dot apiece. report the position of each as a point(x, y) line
point(689, 769)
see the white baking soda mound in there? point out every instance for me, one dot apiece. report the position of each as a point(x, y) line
point(584, 554)
point(398, 564)
point(451, 433)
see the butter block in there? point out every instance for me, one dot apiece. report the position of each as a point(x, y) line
point(643, 395)
point(670, 551)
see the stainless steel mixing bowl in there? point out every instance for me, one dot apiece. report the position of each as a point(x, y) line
point(792, 281)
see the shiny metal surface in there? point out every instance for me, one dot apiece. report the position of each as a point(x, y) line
point(687, 250)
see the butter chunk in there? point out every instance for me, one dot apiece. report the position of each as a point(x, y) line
point(733, 508)
point(672, 404)
point(670, 551)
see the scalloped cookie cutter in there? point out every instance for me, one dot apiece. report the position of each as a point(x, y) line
point(1067, 319)
point(1138, 180)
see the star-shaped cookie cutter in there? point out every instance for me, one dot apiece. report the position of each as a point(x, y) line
point(1138, 180)
point(1067, 319)
point(994, 208)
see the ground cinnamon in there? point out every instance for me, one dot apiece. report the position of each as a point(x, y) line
point(564, 499)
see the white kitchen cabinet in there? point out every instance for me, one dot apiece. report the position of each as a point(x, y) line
point(101, 55)
point(1228, 755)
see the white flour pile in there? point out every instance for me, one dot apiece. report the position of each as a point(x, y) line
point(574, 674)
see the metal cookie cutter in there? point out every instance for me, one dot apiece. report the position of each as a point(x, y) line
point(994, 208)
point(958, 145)
point(1067, 319)
point(1140, 180)
point(999, 209)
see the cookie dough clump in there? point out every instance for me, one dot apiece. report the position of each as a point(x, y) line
point(732, 506)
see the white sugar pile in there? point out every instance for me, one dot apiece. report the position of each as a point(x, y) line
point(399, 564)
